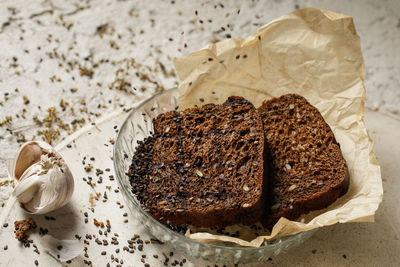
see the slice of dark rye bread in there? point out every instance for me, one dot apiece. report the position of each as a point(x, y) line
point(306, 168)
point(206, 167)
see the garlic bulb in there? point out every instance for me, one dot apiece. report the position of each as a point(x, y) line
point(45, 182)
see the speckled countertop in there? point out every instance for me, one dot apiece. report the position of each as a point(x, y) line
point(63, 64)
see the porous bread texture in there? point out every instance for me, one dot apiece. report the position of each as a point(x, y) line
point(207, 166)
point(306, 168)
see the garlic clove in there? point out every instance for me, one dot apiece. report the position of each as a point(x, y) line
point(53, 191)
point(28, 154)
point(45, 185)
point(27, 189)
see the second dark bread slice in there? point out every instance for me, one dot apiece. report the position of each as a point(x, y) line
point(307, 169)
point(207, 166)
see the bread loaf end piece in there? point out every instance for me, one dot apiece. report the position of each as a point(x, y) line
point(307, 169)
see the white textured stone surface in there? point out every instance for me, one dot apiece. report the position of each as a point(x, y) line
point(39, 39)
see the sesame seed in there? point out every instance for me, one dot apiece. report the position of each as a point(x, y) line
point(292, 187)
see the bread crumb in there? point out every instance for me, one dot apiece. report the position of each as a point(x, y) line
point(21, 227)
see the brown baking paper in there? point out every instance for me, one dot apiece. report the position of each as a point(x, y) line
point(311, 52)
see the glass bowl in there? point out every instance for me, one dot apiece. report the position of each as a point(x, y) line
point(138, 126)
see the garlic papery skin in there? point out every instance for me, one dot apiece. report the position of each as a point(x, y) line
point(47, 183)
point(69, 248)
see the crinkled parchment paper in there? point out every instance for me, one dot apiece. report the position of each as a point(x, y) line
point(311, 52)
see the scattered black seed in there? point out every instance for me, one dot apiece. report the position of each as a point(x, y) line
point(59, 247)
point(344, 256)
point(201, 99)
point(210, 59)
point(237, 57)
point(5, 247)
point(103, 253)
point(5, 225)
point(140, 167)
point(36, 263)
